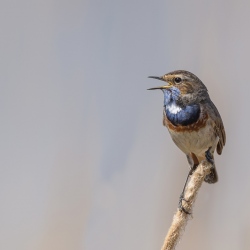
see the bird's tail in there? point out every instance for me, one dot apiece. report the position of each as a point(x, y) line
point(212, 177)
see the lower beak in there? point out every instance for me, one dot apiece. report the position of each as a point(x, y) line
point(162, 87)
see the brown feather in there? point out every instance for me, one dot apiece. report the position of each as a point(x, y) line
point(218, 125)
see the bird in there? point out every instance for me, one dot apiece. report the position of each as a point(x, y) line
point(192, 120)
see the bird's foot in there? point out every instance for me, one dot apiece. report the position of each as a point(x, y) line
point(209, 156)
point(193, 169)
point(181, 208)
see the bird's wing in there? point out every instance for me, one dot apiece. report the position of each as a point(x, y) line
point(218, 126)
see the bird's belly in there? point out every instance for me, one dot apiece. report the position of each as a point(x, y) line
point(196, 142)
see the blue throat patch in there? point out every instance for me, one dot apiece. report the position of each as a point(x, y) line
point(186, 115)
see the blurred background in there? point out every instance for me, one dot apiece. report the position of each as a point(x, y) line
point(85, 161)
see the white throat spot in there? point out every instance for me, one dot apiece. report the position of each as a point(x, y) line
point(173, 108)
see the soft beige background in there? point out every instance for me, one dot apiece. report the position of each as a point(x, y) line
point(85, 161)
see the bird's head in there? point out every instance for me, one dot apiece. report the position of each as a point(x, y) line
point(182, 87)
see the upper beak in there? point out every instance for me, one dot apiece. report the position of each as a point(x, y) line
point(159, 78)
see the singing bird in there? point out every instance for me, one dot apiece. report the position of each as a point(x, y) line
point(192, 119)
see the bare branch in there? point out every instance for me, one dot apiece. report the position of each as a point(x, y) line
point(180, 218)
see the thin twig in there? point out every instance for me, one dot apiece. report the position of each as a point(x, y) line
point(180, 218)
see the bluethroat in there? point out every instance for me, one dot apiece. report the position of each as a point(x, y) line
point(192, 119)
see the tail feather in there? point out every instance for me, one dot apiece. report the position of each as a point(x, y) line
point(212, 177)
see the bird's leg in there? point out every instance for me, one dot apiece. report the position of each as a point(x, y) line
point(212, 177)
point(209, 156)
point(183, 191)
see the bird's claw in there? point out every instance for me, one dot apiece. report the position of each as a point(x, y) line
point(181, 208)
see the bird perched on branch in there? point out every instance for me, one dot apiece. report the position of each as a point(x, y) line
point(192, 119)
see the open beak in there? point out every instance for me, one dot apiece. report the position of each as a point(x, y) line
point(161, 87)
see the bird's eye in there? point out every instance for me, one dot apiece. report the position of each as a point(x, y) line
point(177, 79)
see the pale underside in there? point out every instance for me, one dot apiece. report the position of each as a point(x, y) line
point(196, 142)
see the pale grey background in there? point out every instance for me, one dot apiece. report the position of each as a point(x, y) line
point(85, 161)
